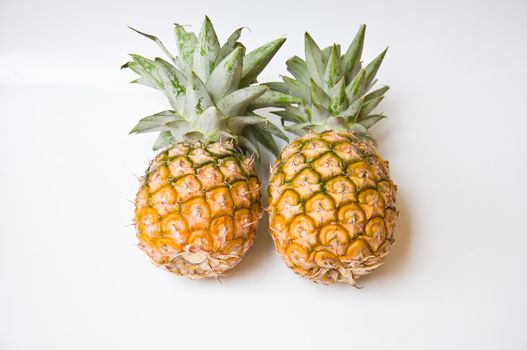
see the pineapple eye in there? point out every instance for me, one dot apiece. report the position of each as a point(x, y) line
point(358, 250)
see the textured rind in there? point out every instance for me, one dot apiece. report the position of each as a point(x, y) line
point(197, 208)
point(332, 207)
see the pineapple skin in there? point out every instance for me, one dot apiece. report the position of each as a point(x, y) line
point(197, 208)
point(332, 207)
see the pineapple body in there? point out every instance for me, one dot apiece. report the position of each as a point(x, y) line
point(197, 208)
point(332, 207)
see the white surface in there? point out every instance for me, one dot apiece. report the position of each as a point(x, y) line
point(72, 278)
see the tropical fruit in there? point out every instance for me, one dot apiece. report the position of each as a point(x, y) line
point(198, 204)
point(331, 200)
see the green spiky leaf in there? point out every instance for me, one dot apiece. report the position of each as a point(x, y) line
point(236, 103)
point(157, 41)
point(156, 122)
point(358, 128)
point(297, 67)
point(206, 51)
point(314, 63)
point(318, 96)
point(278, 86)
point(354, 87)
point(339, 100)
point(163, 139)
point(274, 99)
point(297, 89)
point(299, 129)
point(369, 105)
point(238, 123)
point(172, 82)
point(186, 42)
point(249, 145)
point(226, 76)
point(371, 120)
point(336, 123)
point(292, 114)
point(352, 112)
point(255, 61)
point(197, 99)
point(333, 72)
point(210, 121)
point(229, 45)
point(264, 137)
point(372, 68)
point(146, 69)
point(319, 114)
point(204, 86)
point(377, 93)
point(351, 59)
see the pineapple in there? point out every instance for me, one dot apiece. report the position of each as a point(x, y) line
point(331, 200)
point(198, 204)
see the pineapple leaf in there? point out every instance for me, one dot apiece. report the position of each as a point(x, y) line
point(273, 129)
point(318, 96)
point(327, 52)
point(229, 45)
point(319, 115)
point(146, 69)
point(249, 145)
point(377, 93)
point(163, 139)
point(351, 59)
point(372, 68)
point(209, 122)
point(197, 98)
point(236, 102)
point(368, 106)
point(157, 41)
point(297, 67)
point(206, 51)
point(186, 42)
point(273, 99)
point(333, 72)
point(358, 128)
point(238, 123)
point(371, 120)
point(277, 86)
point(352, 112)
point(156, 122)
point(297, 89)
point(172, 81)
point(226, 76)
point(299, 129)
point(255, 61)
point(354, 87)
point(339, 101)
point(314, 62)
point(264, 137)
point(336, 123)
point(292, 114)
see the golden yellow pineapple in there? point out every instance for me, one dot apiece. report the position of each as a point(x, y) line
point(331, 200)
point(199, 202)
point(197, 208)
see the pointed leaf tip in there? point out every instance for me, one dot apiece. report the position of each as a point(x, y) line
point(255, 61)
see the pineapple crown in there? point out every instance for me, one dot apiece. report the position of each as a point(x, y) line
point(211, 90)
point(334, 89)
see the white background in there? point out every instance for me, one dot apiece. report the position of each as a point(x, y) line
point(71, 276)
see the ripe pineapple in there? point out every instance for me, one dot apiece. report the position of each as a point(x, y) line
point(331, 201)
point(199, 202)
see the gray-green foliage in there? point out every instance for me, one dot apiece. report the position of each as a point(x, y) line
point(211, 89)
point(334, 89)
